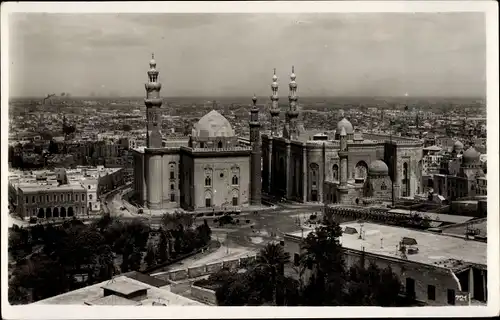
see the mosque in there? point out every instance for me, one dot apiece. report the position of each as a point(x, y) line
point(342, 168)
point(214, 170)
point(210, 170)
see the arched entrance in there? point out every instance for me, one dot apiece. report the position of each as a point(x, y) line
point(360, 172)
point(56, 212)
point(70, 212)
point(48, 213)
point(41, 214)
point(63, 212)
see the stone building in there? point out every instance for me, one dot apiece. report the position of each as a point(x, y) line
point(209, 170)
point(432, 268)
point(302, 168)
point(462, 176)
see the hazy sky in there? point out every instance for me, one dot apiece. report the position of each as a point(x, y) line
point(335, 54)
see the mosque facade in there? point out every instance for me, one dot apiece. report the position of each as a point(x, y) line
point(213, 170)
point(210, 170)
point(342, 168)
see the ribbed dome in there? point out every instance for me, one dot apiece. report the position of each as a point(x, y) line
point(344, 123)
point(378, 167)
point(213, 124)
point(458, 146)
point(470, 156)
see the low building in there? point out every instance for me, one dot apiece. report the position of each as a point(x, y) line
point(122, 291)
point(51, 201)
point(433, 268)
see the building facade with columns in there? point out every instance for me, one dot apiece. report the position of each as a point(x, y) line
point(334, 169)
point(210, 169)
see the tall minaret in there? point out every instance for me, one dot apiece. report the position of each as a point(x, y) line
point(255, 160)
point(153, 103)
point(275, 109)
point(292, 113)
point(343, 157)
point(343, 189)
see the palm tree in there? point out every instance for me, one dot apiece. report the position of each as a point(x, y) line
point(272, 259)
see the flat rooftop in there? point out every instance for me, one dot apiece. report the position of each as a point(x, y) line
point(433, 249)
point(124, 287)
point(95, 292)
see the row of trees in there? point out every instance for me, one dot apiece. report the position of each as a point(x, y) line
point(53, 259)
point(323, 279)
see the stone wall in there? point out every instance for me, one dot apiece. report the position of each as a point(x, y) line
point(203, 270)
point(203, 294)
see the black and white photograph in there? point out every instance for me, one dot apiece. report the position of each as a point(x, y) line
point(249, 154)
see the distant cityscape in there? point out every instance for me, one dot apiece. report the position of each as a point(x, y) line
point(274, 199)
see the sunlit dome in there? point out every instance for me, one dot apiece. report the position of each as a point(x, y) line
point(213, 124)
point(344, 123)
point(378, 167)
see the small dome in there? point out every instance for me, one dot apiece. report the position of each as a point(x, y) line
point(213, 124)
point(275, 78)
point(293, 76)
point(378, 167)
point(470, 156)
point(344, 123)
point(458, 146)
point(274, 84)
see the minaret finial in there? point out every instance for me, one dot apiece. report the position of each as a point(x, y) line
point(152, 55)
point(274, 71)
point(293, 69)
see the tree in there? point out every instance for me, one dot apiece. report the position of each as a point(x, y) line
point(322, 255)
point(272, 259)
point(135, 260)
point(177, 221)
point(150, 257)
point(372, 286)
point(164, 246)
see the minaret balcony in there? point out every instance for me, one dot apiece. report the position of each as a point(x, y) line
point(254, 124)
point(153, 101)
point(292, 114)
point(153, 86)
point(293, 98)
point(275, 112)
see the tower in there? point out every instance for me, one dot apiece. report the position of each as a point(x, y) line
point(343, 188)
point(153, 103)
point(256, 167)
point(275, 109)
point(291, 128)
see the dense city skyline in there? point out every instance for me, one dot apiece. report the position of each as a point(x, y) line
point(202, 54)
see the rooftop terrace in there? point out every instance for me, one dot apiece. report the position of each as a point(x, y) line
point(433, 249)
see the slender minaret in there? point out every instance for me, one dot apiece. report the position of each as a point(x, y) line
point(292, 113)
point(275, 109)
point(153, 103)
point(256, 166)
point(343, 190)
point(343, 158)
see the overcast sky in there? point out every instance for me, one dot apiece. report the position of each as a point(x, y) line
point(335, 54)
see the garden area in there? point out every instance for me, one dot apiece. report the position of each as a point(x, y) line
point(332, 283)
point(47, 260)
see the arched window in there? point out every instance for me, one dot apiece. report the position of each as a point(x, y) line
point(171, 187)
point(208, 199)
point(335, 172)
point(219, 145)
point(235, 197)
point(208, 182)
point(235, 180)
point(383, 186)
point(89, 187)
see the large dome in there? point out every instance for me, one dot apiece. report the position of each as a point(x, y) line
point(344, 123)
point(213, 124)
point(378, 167)
point(470, 156)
